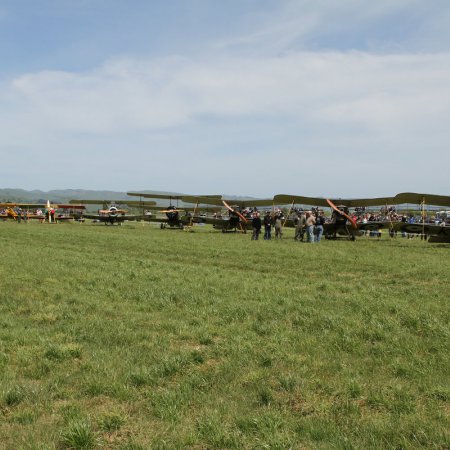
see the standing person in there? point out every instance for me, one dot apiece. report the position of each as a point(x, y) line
point(278, 224)
point(256, 225)
point(310, 222)
point(320, 221)
point(297, 227)
point(299, 222)
point(267, 226)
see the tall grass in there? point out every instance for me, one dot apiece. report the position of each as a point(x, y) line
point(134, 337)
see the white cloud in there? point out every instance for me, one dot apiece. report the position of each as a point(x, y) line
point(347, 88)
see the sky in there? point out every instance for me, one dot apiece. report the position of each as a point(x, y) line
point(237, 97)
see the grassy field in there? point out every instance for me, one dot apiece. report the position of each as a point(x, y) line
point(135, 338)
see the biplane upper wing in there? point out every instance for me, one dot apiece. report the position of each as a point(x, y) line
point(137, 203)
point(355, 202)
point(89, 202)
point(218, 200)
point(405, 197)
point(184, 198)
point(159, 196)
point(417, 199)
point(286, 199)
point(118, 202)
point(22, 205)
point(70, 206)
point(213, 200)
point(250, 202)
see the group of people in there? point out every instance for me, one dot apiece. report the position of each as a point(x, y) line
point(268, 222)
point(307, 223)
point(310, 223)
point(411, 218)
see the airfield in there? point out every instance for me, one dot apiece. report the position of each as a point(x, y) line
point(134, 337)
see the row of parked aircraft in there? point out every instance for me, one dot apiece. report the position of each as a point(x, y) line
point(16, 211)
point(208, 209)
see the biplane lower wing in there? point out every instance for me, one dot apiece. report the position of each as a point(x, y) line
point(439, 239)
point(375, 226)
point(113, 218)
point(179, 222)
point(436, 233)
point(332, 230)
point(224, 223)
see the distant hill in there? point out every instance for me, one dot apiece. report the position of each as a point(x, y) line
point(65, 195)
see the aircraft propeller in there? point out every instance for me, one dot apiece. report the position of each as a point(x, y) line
point(342, 213)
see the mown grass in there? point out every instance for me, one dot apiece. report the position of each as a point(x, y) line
point(133, 338)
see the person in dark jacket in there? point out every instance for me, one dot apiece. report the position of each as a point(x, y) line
point(320, 221)
point(256, 225)
point(267, 226)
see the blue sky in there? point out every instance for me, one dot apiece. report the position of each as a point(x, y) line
point(348, 98)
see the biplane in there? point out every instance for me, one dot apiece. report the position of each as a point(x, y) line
point(434, 233)
point(174, 217)
point(39, 211)
point(119, 204)
point(115, 213)
point(344, 224)
point(18, 211)
point(8, 211)
point(65, 212)
point(239, 211)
